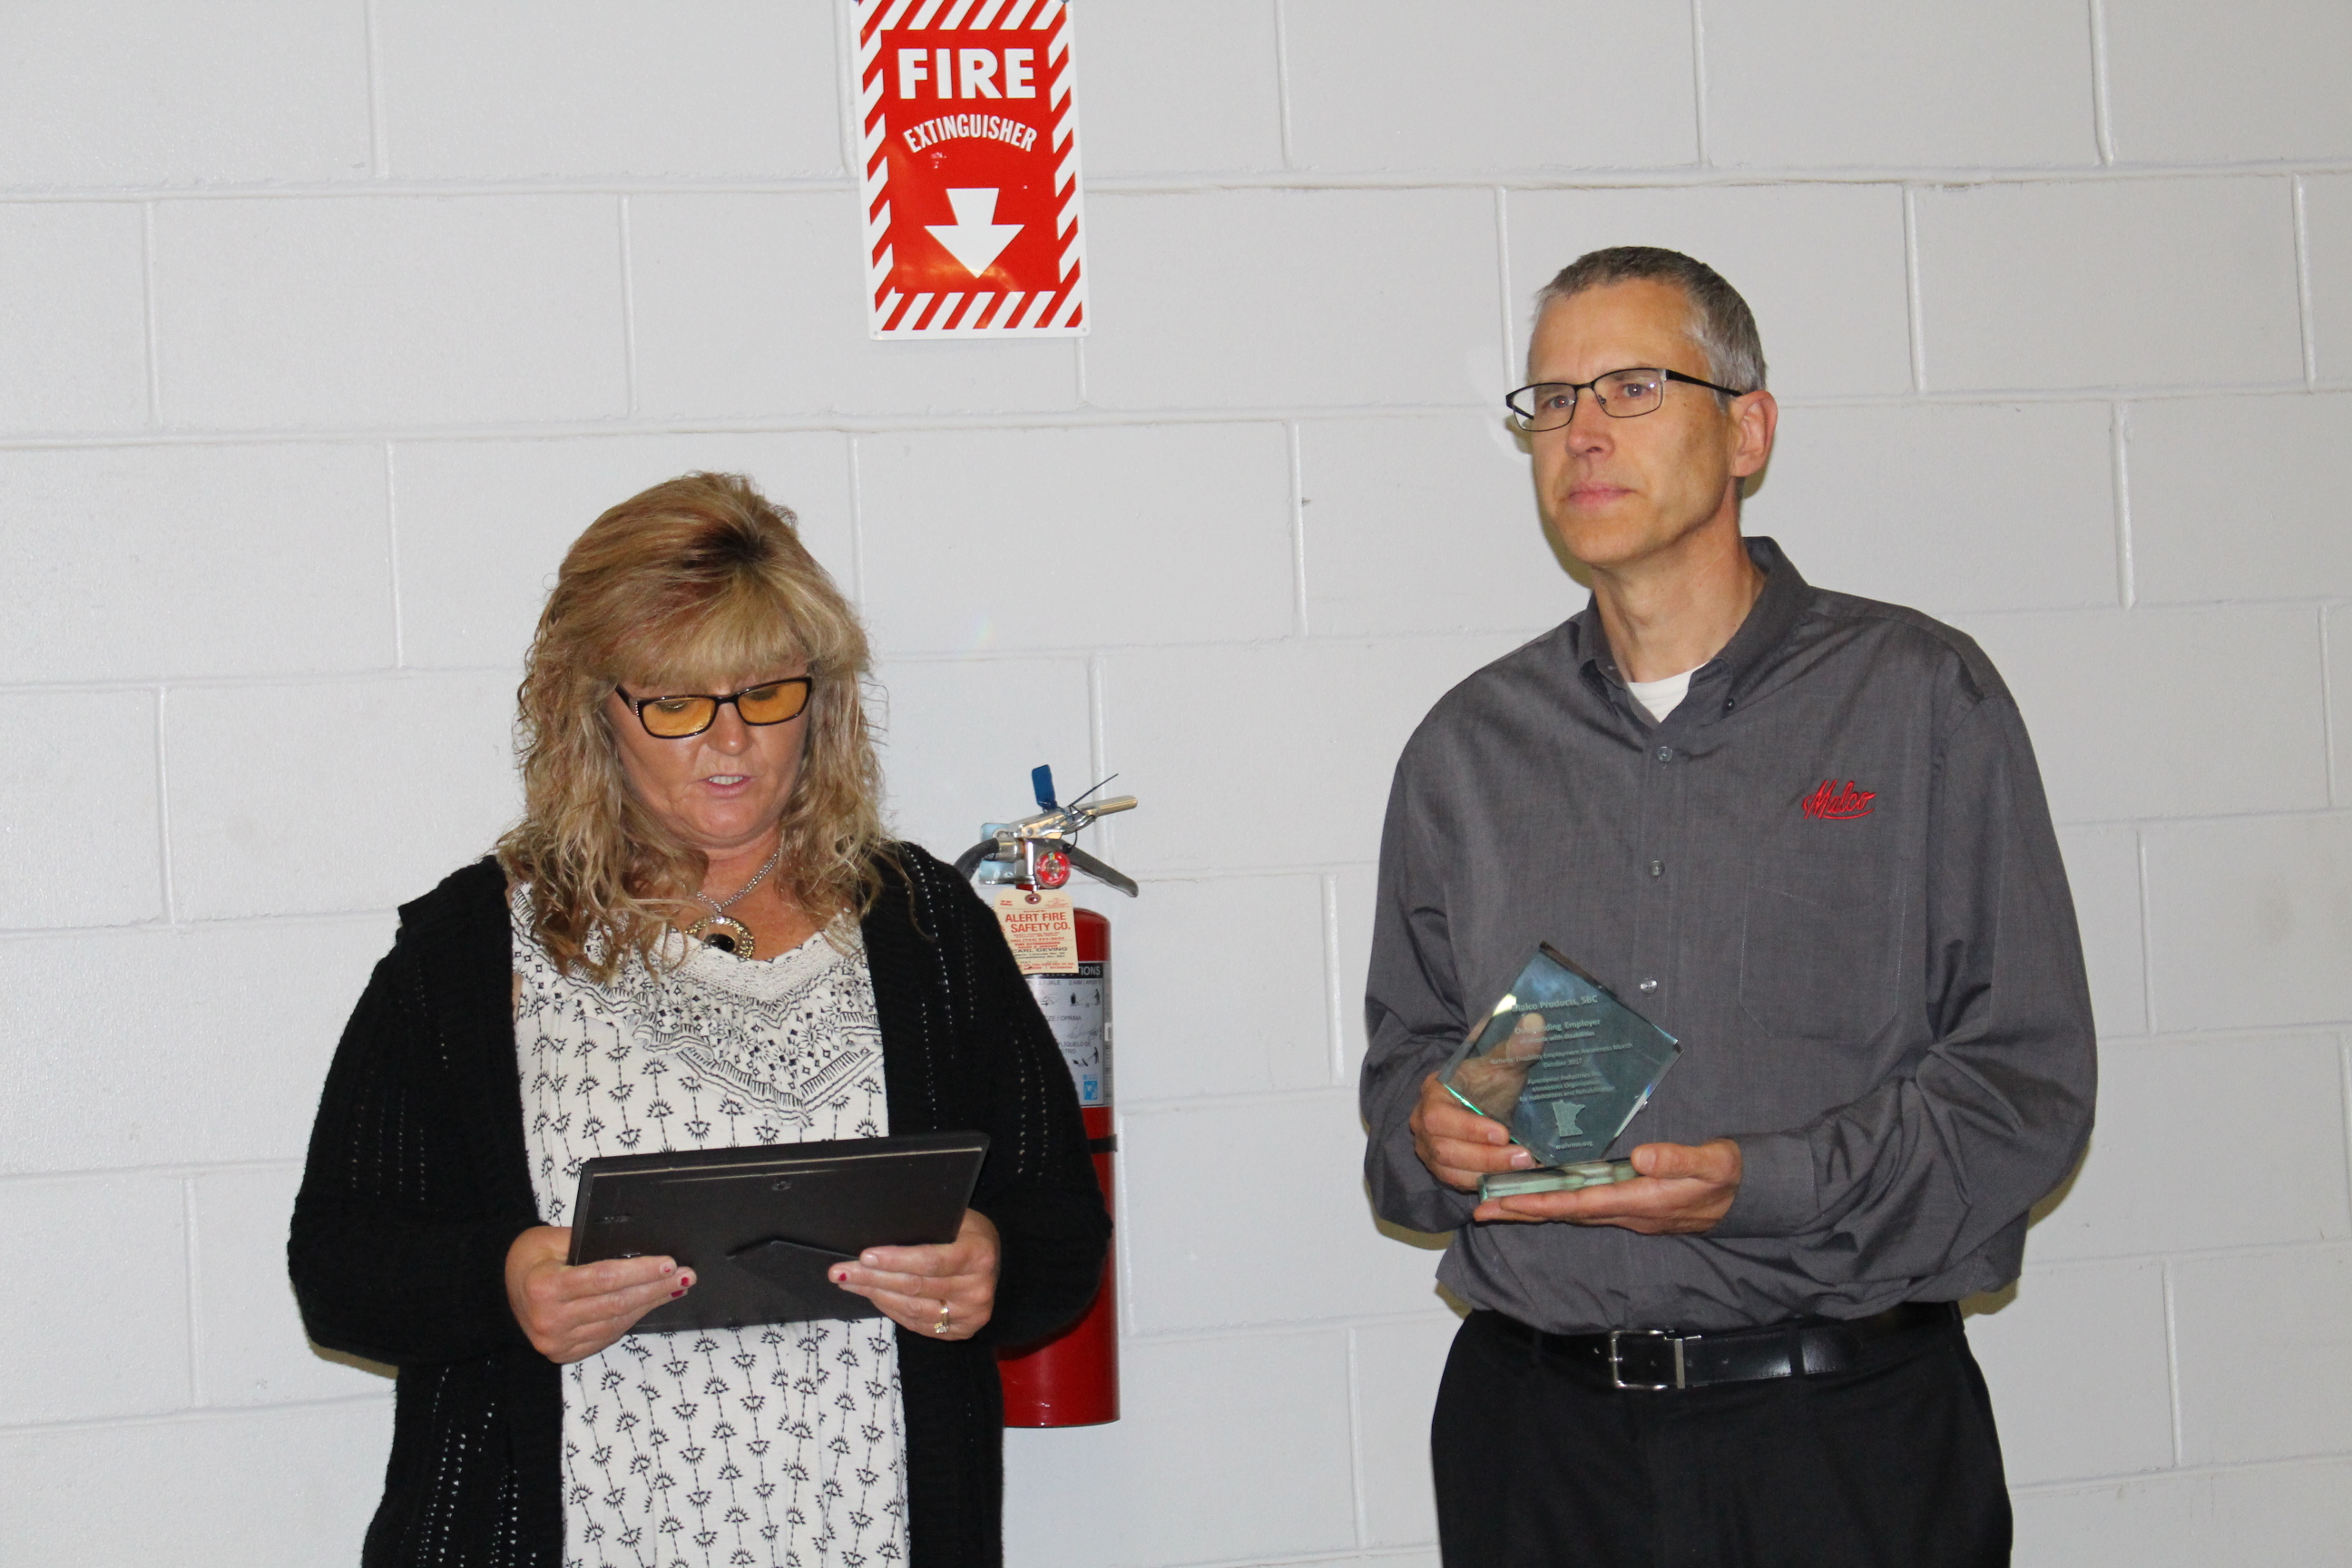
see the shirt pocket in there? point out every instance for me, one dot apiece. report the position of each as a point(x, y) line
point(1819, 933)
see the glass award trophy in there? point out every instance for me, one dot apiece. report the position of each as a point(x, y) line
point(1564, 1064)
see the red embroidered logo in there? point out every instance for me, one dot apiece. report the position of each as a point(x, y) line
point(1832, 805)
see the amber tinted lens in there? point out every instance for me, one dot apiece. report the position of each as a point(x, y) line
point(772, 704)
point(672, 717)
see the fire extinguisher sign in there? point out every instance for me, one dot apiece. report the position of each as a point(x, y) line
point(969, 159)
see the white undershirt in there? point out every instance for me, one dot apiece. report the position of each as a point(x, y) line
point(1659, 696)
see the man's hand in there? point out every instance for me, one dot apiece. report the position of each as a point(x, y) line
point(1456, 1143)
point(1682, 1190)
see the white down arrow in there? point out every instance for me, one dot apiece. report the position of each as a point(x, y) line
point(975, 239)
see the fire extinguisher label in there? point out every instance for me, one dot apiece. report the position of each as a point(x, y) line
point(1072, 1005)
point(1042, 929)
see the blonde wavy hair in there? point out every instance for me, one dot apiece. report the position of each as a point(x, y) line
point(695, 584)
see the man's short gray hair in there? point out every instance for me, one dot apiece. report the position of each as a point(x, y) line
point(1720, 323)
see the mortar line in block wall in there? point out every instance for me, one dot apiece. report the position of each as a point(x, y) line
point(379, 153)
point(392, 559)
point(2102, 128)
point(1684, 177)
point(1281, 81)
point(1298, 482)
point(508, 670)
point(2332, 1247)
point(846, 85)
point(2303, 283)
point(1505, 298)
point(628, 311)
point(1335, 984)
point(188, 1245)
point(1342, 1557)
point(1075, 418)
point(197, 926)
point(2119, 481)
point(1276, 647)
point(1312, 1094)
point(1177, 871)
point(147, 305)
point(2146, 929)
point(2078, 1484)
point(266, 678)
point(1122, 1219)
point(1099, 753)
point(1361, 1509)
point(427, 189)
point(1252, 870)
point(1225, 1333)
point(179, 1170)
point(2235, 1034)
point(164, 882)
point(1914, 317)
point(1699, 84)
point(2198, 608)
point(1663, 177)
point(2172, 1362)
point(2344, 1081)
point(856, 476)
point(2337, 785)
point(209, 1415)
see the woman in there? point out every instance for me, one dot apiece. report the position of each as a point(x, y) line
point(697, 937)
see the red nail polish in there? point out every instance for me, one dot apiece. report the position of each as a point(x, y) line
point(676, 1294)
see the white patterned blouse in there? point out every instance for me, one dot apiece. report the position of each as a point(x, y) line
point(778, 1447)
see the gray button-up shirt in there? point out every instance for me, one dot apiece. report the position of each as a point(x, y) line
point(1829, 873)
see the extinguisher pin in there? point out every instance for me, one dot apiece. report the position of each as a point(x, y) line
point(1051, 830)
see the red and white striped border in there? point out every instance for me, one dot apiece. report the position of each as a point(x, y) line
point(989, 314)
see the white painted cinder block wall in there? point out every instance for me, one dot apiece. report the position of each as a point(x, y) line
point(324, 324)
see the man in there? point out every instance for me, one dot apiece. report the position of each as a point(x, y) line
point(1802, 833)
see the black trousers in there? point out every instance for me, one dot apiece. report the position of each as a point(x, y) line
point(1894, 1464)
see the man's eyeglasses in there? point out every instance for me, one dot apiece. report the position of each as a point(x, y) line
point(1622, 394)
point(675, 718)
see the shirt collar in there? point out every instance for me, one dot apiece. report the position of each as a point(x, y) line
point(1775, 610)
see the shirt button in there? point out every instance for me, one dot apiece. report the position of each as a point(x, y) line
point(1648, 986)
point(1665, 753)
point(1657, 868)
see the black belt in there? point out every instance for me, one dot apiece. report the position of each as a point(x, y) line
point(1659, 1360)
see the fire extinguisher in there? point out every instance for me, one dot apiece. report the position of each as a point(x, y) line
point(1072, 1378)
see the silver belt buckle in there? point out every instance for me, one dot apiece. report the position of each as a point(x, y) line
point(1617, 1365)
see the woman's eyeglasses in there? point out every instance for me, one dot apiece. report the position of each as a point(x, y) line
point(677, 717)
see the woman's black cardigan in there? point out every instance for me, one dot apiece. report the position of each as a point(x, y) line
point(417, 1182)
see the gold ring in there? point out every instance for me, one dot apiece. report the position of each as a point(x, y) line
point(942, 1326)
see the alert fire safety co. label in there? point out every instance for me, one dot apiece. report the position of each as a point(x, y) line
point(1042, 929)
point(970, 168)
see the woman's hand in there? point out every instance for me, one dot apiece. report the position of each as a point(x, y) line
point(946, 1291)
point(572, 1313)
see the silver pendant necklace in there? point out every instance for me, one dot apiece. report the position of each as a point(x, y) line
point(722, 930)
